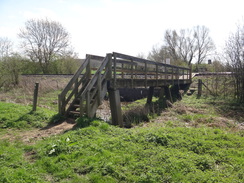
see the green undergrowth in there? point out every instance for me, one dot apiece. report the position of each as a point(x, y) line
point(22, 116)
point(137, 112)
point(94, 151)
point(103, 153)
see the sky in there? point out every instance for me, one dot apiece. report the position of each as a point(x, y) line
point(127, 26)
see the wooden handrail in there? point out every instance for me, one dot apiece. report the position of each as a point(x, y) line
point(64, 98)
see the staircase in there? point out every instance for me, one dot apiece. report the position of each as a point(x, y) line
point(85, 91)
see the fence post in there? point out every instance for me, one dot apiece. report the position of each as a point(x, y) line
point(35, 96)
point(199, 93)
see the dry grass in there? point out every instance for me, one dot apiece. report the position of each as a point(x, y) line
point(23, 93)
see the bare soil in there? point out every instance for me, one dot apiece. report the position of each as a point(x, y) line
point(31, 136)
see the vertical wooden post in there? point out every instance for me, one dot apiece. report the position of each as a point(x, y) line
point(122, 71)
point(35, 96)
point(145, 74)
point(157, 74)
point(115, 107)
point(132, 74)
point(114, 79)
point(109, 67)
point(167, 93)
point(88, 106)
point(199, 93)
point(99, 88)
point(183, 72)
point(172, 76)
point(166, 72)
point(162, 98)
point(190, 73)
point(76, 87)
point(81, 106)
point(150, 95)
point(88, 68)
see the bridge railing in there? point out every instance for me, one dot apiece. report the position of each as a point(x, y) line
point(134, 68)
point(79, 80)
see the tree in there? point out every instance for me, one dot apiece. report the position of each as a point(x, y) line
point(10, 70)
point(181, 45)
point(159, 54)
point(185, 45)
point(5, 47)
point(234, 50)
point(204, 43)
point(44, 41)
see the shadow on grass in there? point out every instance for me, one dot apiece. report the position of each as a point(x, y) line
point(229, 109)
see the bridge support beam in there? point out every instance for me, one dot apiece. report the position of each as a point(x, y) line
point(150, 95)
point(175, 92)
point(115, 107)
point(164, 95)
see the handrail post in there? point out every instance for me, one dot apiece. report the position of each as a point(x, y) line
point(88, 67)
point(157, 74)
point(183, 74)
point(122, 70)
point(115, 65)
point(76, 87)
point(88, 106)
point(132, 73)
point(145, 74)
point(109, 66)
point(81, 106)
point(191, 73)
point(99, 86)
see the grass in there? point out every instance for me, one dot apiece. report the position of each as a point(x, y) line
point(20, 116)
point(171, 149)
point(104, 153)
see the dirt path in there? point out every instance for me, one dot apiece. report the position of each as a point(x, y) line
point(32, 136)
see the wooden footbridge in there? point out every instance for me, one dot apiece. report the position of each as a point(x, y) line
point(99, 75)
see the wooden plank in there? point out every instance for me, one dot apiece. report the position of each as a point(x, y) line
point(132, 73)
point(146, 74)
point(115, 107)
point(150, 95)
point(35, 96)
point(88, 69)
point(122, 71)
point(99, 88)
point(157, 74)
point(76, 87)
point(88, 101)
point(81, 106)
point(114, 74)
point(96, 57)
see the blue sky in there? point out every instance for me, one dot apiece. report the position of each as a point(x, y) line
point(127, 26)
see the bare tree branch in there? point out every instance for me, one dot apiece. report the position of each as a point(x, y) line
point(5, 47)
point(204, 43)
point(43, 41)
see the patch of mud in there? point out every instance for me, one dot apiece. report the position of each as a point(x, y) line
point(103, 111)
point(32, 136)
